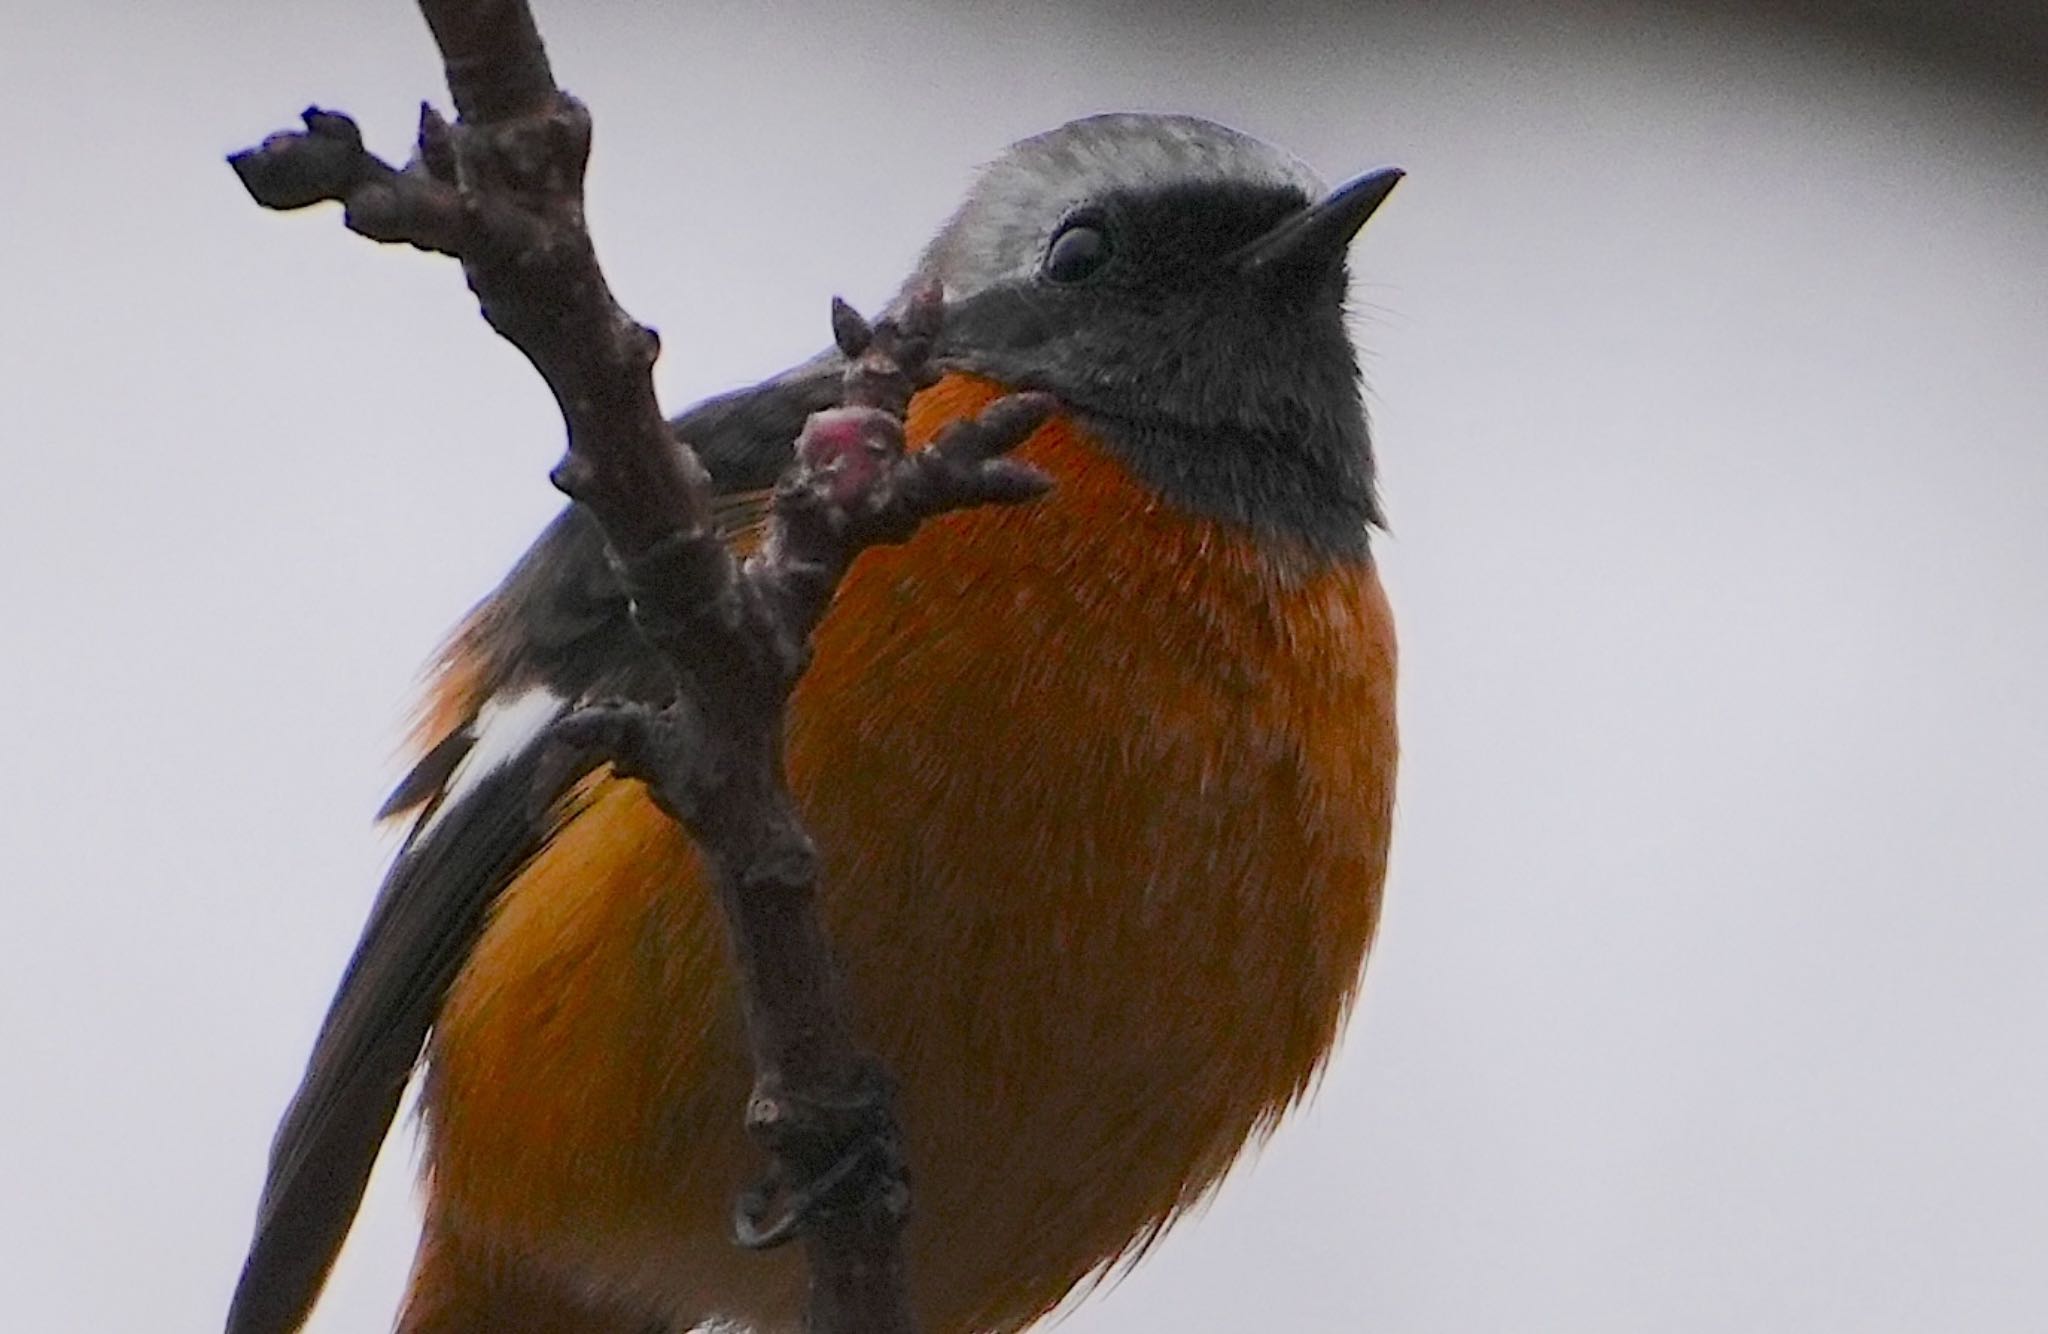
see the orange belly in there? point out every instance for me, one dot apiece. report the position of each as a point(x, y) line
point(1103, 792)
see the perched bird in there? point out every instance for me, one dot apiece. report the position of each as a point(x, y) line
point(1102, 784)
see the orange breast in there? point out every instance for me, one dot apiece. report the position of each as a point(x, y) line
point(1103, 792)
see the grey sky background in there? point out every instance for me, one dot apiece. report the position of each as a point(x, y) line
point(1709, 364)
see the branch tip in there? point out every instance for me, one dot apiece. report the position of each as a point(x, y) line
point(849, 328)
point(924, 312)
point(572, 476)
point(334, 125)
point(435, 144)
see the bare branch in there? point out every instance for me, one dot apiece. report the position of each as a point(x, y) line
point(502, 190)
point(327, 161)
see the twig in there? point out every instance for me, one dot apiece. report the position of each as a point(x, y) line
point(502, 190)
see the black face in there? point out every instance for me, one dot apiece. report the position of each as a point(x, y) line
point(1165, 239)
point(1232, 388)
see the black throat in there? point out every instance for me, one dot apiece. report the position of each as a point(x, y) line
point(1244, 413)
point(1315, 489)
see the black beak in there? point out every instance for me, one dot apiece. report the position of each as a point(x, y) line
point(1316, 237)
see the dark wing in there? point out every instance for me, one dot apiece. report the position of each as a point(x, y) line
point(429, 912)
point(555, 634)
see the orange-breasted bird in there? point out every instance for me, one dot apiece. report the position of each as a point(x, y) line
point(1102, 785)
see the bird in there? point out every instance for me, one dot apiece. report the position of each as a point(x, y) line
point(1103, 786)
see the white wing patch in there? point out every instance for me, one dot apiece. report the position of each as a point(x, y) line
point(504, 727)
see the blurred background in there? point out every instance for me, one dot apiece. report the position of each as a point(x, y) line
point(1708, 353)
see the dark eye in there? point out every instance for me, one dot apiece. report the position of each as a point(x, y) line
point(1078, 249)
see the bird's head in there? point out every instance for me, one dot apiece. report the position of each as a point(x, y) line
point(1181, 287)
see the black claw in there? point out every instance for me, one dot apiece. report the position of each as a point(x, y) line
point(845, 1152)
point(657, 746)
point(615, 731)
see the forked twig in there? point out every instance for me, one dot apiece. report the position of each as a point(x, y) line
point(502, 190)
